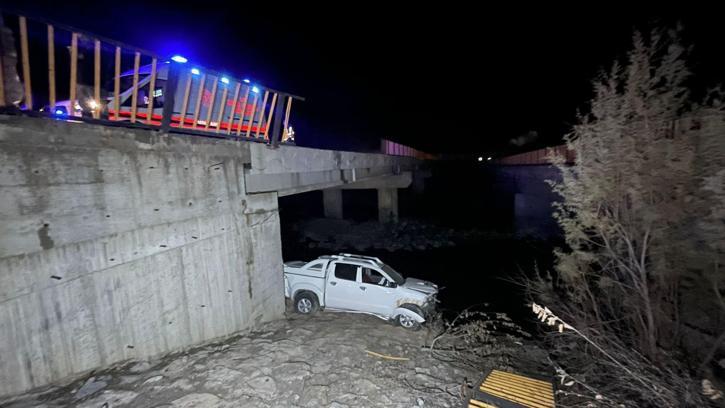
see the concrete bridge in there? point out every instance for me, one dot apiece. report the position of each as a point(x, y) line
point(119, 243)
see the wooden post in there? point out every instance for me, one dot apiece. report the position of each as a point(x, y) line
point(97, 79)
point(170, 88)
point(244, 110)
point(269, 118)
point(261, 113)
point(222, 106)
point(117, 84)
point(23, 25)
point(276, 131)
point(197, 108)
point(73, 73)
point(211, 104)
point(152, 88)
point(134, 93)
point(51, 68)
point(251, 119)
point(185, 102)
point(234, 107)
point(285, 135)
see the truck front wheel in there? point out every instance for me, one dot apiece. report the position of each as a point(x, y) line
point(408, 322)
point(306, 303)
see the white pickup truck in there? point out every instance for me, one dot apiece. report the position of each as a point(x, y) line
point(362, 284)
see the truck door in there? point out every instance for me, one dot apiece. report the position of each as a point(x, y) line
point(343, 290)
point(379, 298)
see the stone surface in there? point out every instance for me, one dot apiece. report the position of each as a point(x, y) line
point(119, 243)
point(342, 235)
point(90, 387)
point(316, 361)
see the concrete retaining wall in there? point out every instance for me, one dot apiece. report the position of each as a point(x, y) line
point(119, 244)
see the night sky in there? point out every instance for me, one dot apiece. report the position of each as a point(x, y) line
point(440, 77)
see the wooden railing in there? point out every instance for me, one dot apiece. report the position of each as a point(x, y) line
point(396, 149)
point(73, 75)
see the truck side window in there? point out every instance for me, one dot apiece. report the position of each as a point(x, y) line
point(372, 276)
point(346, 271)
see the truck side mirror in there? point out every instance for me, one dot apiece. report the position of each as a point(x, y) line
point(392, 285)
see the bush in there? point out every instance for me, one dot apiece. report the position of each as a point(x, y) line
point(642, 211)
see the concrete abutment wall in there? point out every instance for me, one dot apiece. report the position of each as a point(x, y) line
point(122, 244)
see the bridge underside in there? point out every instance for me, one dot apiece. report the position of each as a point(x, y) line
point(292, 170)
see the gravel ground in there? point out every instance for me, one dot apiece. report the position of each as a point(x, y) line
point(318, 361)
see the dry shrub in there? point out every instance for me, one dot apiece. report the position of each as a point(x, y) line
point(642, 211)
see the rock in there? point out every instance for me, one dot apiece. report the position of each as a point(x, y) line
point(154, 379)
point(314, 396)
point(182, 384)
point(420, 402)
point(140, 367)
point(264, 385)
point(90, 387)
point(199, 400)
point(110, 399)
point(128, 379)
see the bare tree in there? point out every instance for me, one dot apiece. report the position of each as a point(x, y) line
point(642, 212)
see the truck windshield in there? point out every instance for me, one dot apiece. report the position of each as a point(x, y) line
point(394, 275)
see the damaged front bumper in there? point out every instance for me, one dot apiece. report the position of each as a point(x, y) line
point(430, 307)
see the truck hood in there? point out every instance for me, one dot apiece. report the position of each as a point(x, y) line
point(418, 285)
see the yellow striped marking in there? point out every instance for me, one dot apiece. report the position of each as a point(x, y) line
point(541, 393)
point(527, 386)
point(521, 378)
point(479, 404)
point(528, 392)
point(536, 397)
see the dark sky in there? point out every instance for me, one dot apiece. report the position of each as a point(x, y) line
point(440, 77)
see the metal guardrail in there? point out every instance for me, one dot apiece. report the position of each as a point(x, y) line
point(396, 149)
point(140, 89)
point(538, 157)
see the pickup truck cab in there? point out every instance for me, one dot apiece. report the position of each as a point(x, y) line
point(362, 284)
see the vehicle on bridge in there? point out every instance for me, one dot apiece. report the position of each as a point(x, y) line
point(362, 284)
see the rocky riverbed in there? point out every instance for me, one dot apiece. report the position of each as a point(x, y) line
point(407, 235)
point(320, 361)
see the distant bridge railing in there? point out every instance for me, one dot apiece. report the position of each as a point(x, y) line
point(73, 75)
point(538, 157)
point(396, 149)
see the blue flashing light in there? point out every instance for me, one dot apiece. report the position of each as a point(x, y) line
point(59, 112)
point(255, 89)
point(246, 81)
point(179, 59)
point(195, 71)
point(225, 80)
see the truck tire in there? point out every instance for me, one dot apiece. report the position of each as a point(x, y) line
point(407, 322)
point(306, 303)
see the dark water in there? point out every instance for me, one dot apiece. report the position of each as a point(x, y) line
point(472, 272)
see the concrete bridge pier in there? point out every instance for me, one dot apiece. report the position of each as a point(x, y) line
point(332, 202)
point(387, 187)
point(388, 205)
